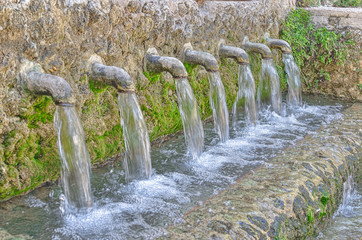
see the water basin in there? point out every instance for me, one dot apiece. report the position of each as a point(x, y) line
point(143, 209)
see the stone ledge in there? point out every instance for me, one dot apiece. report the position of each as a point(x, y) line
point(344, 17)
point(292, 196)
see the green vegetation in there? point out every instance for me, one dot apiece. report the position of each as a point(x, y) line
point(97, 87)
point(106, 145)
point(348, 3)
point(324, 200)
point(310, 215)
point(282, 75)
point(200, 85)
point(104, 140)
point(31, 161)
point(308, 3)
point(314, 48)
point(152, 77)
point(161, 108)
point(40, 112)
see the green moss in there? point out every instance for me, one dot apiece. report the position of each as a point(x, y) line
point(97, 87)
point(282, 75)
point(30, 162)
point(7, 138)
point(104, 136)
point(152, 77)
point(161, 108)
point(40, 112)
point(200, 85)
point(106, 145)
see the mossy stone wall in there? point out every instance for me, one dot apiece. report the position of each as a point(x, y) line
point(62, 35)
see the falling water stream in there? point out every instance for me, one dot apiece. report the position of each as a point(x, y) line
point(245, 95)
point(269, 87)
point(347, 221)
point(294, 96)
point(142, 209)
point(137, 160)
point(218, 105)
point(73, 152)
point(192, 125)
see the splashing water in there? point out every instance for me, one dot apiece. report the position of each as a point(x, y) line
point(137, 162)
point(347, 220)
point(269, 86)
point(193, 130)
point(218, 105)
point(246, 93)
point(143, 209)
point(294, 96)
point(75, 159)
point(349, 191)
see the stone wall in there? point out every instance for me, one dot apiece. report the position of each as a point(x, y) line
point(345, 81)
point(293, 196)
point(61, 36)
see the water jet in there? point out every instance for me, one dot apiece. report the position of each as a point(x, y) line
point(193, 129)
point(246, 92)
point(294, 96)
point(137, 162)
point(75, 174)
point(217, 91)
point(269, 86)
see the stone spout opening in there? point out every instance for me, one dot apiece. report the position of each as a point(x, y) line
point(33, 79)
point(238, 54)
point(278, 44)
point(260, 48)
point(205, 59)
point(110, 75)
point(155, 63)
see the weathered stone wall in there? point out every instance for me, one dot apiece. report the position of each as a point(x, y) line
point(293, 196)
point(345, 81)
point(61, 35)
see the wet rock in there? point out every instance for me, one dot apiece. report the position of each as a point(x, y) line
point(259, 221)
point(220, 226)
point(300, 207)
point(251, 231)
point(305, 194)
point(298, 219)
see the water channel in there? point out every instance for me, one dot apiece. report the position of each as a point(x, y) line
point(142, 209)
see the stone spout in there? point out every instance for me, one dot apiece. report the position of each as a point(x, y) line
point(278, 44)
point(263, 49)
point(205, 59)
point(225, 51)
point(110, 75)
point(36, 81)
point(156, 64)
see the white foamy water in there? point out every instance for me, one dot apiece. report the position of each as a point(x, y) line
point(347, 221)
point(143, 209)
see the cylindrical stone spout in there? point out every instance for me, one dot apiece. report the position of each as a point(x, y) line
point(205, 59)
point(279, 44)
point(240, 56)
point(155, 63)
point(263, 49)
point(110, 75)
point(36, 81)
